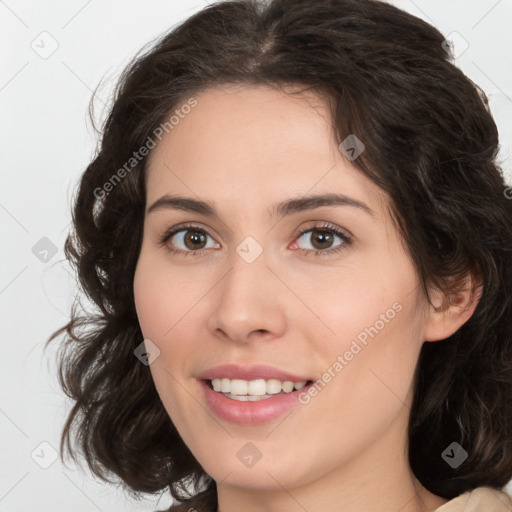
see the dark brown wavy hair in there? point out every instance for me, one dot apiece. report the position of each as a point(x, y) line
point(431, 145)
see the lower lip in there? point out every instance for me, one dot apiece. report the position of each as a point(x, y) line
point(249, 413)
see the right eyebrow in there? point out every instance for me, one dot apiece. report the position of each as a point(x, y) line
point(281, 209)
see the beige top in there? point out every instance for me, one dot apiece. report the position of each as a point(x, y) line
point(481, 499)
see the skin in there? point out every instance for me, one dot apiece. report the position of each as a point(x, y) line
point(347, 448)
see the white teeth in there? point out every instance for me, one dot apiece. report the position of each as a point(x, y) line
point(273, 386)
point(287, 386)
point(239, 387)
point(247, 398)
point(225, 385)
point(244, 390)
point(256, 387)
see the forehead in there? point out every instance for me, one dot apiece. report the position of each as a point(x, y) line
point(233, 122)
point(252, 144)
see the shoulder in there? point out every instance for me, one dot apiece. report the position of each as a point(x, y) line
point(480, 499)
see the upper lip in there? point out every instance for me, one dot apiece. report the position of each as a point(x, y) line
point(250, 372)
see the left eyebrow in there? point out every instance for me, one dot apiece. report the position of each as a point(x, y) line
point(311, 202)
point(280, 210)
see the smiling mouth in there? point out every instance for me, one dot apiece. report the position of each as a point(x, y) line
point(254, 390)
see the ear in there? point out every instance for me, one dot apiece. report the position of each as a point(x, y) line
point(451, 311)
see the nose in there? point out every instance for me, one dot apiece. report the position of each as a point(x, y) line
point(248, 302)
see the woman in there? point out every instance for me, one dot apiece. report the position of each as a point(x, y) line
point(299, 243)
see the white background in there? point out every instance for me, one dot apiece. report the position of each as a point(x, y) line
point(47, 141)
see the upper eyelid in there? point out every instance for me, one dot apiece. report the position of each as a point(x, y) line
point(178, 228)
point(296, 234)
point(338, 230)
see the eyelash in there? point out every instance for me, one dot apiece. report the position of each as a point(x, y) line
point(325, 226)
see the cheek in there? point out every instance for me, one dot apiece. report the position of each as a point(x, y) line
point(148, 302)
point(379, 355)
point(358, 302)
point(161, 297)
point(161, 312)
point(167, 303)
point(376, 327)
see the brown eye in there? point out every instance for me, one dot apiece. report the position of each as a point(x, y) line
point(187, 240)
point(194, 239)
point(322, 238)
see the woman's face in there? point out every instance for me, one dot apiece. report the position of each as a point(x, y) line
point(277, 294)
